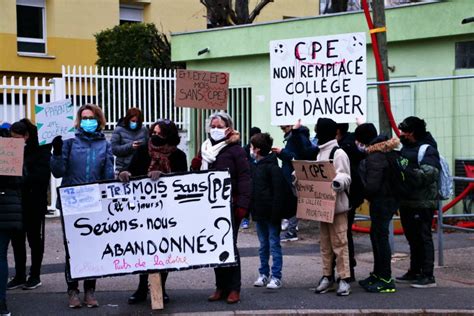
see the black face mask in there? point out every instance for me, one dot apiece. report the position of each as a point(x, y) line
point(158, 141)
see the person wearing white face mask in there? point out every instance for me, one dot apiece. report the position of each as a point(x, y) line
point(222, 150)
point(128, 136)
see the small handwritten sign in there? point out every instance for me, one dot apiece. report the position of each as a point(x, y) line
point(315, 77)
point(202, 89)
point(11, 156)
point(54, 119)
point(181, 221)
point(316, 198)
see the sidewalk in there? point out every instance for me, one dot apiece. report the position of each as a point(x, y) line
point(188, 290)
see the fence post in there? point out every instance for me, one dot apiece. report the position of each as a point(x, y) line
point(440, 235)
point(58, 89)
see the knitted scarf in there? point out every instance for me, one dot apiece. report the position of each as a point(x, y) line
point(160, 157)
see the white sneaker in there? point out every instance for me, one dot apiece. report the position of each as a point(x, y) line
point(274, 284)
point(325, 285)
point(344, 288)
point(261, 281)
point(284, 224)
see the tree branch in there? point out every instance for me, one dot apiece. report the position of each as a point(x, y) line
point(257, 10)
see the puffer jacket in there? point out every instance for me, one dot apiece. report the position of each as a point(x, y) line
point(343, 173)
point(122, 140)
point(424, 178)
point(347, 143)
point(85, 158)
point(10, 204)
point(375, 169)
point(269, 190)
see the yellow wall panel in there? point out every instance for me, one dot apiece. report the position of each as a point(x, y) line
point(8, 16)
point(176, 15)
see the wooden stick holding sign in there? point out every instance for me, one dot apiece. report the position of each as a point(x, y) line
point(316, 198)
point(156, 291)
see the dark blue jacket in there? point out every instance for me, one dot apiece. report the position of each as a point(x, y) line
point(85, 158)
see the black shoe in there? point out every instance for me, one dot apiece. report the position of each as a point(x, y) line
point(368, 281)
point(424, 282)
point(381, 286)
point(166, 298)
point(408, 277)
point(138, 296)
point(15, 283)
point(3, 308)
point(32, 283)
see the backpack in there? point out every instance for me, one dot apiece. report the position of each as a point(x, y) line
point(446, 187)
point(398, 178)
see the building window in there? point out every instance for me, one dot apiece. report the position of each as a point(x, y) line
point(131, 14)
point(31, 26)
point(465, 55)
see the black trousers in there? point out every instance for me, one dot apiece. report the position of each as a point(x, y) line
point(143, 283)
point(33, 230)
point(381, 213)
point(417, 227)
point(229, 278)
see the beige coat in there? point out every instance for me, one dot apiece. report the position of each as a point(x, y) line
point(343, 174)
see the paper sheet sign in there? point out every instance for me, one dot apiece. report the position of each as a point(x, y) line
point(54, 119)
point(181, 221)
point(202, 89)
point(315, 77)
point(316, 198)
point(11, 156)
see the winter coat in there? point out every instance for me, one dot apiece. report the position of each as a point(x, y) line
point(423, 178)
point(141, 161)
point(36, 175)
point(85, 158)
point(297, 141)
point(343, 174)
point(375, 169)
point(347, 143)
point(122, 140)
point(268, 194)
point(10, 204)
point(234, 158)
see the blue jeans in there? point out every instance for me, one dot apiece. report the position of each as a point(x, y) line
point(4, 241)
point(269, 238)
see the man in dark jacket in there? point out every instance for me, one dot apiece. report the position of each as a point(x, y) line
point(297, 141)
point(376, 176)
point(346, 141)
point(417, 209)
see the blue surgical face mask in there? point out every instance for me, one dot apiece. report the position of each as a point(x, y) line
point(89, 125)
point(133, 125)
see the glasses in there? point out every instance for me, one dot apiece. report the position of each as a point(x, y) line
point(164, 121)
point(87, 117)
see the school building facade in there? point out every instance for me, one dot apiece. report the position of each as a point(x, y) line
point(424, 40)
point(37, 37)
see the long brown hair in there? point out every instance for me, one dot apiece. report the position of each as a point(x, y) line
point(99, 115)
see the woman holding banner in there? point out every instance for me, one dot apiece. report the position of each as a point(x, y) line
point(128, 136)
point(36, 176)
point(85, 158)
point(222, 150)
point(161, 155)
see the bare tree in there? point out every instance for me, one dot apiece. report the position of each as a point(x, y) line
point(231, 12)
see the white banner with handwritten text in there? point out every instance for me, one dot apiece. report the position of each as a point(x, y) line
point(178, 222)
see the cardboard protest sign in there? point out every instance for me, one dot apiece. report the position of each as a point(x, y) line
point(316, 198)
point(317, 77)
point(181, 221)
point(54, 119)
point(202, 89)
point(11, 156)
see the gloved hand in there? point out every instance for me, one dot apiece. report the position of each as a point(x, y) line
point(124, 176)
point(57, 145)
point(196, 163)
point(154, 175)
point(240, 213)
